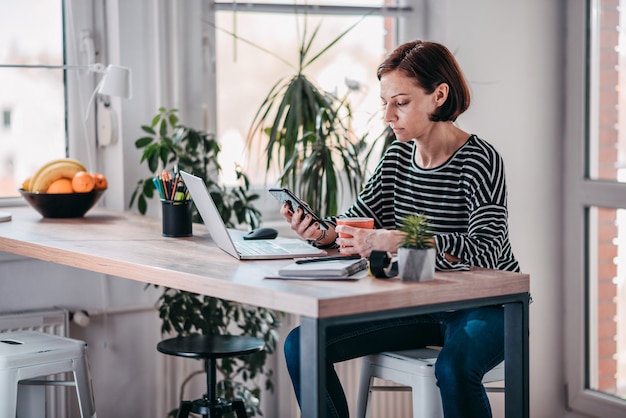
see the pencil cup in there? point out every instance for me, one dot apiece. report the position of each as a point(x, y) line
point(176, 218)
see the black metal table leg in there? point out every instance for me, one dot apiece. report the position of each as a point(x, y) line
point(516, 372)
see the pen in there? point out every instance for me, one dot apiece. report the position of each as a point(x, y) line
point(328, 258)
point(159, 187)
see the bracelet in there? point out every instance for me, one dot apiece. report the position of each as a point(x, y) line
point(320, 238)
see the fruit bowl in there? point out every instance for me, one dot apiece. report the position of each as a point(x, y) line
point(68, 205)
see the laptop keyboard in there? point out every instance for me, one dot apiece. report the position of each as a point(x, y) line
point(258, 248)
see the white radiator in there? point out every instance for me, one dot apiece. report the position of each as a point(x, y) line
point(52, 321)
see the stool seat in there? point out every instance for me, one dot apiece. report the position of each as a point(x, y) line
point(30, 348)
point(26, 355)
point(210, 346)
point(415, 369)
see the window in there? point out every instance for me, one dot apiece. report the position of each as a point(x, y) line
point(38, 104)
point(33, 100)
point(595, 205)
point(278, 28)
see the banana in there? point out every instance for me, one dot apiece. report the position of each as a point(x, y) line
point(54, 170)
point(52, 173)
point(26, 184)
point(48, 164)
point(51, 162)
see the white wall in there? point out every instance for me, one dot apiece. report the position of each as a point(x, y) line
point(512, 53)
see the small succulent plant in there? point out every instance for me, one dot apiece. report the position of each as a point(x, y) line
point(417, 232)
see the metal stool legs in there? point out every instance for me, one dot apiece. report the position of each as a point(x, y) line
point(210, 406)
point(27, 356)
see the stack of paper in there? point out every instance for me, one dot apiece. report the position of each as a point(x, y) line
point(324, 269)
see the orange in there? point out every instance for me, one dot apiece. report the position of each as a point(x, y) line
point(100, 181)
point(82, 182)
point(62, 185)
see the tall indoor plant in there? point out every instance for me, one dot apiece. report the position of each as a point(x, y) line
point(308, 134)
point(168, 144)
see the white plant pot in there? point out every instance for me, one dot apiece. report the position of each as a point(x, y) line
point(416, 265)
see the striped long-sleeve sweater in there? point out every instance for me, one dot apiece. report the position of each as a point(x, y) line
point(465, 200)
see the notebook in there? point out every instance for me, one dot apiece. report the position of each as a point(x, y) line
point(230, 241)
point(327, 270)
point(332, 268)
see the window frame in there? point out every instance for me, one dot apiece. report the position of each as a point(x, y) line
point(387, 11)
point(579, 194)
point(81, 84)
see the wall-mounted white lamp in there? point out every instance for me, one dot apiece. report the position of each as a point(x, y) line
point(116, 82)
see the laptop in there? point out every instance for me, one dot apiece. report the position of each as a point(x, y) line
point(231, 241)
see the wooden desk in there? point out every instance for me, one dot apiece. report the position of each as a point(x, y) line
point(130, 246)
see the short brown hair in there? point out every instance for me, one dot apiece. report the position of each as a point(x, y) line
point(431, 64)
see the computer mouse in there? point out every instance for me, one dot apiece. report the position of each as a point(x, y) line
point(261, 233)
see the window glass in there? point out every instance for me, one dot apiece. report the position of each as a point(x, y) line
point(607, 146)
point(607, 300)
point(32, 100)
point(254, 71)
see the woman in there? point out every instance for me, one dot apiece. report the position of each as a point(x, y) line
point(458, 181)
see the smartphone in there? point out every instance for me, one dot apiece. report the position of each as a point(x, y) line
point(284, 195)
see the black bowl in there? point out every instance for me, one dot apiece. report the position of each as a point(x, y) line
point(67, 205)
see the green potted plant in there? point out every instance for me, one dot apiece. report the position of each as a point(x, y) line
point(169, 144)
point(416, 255)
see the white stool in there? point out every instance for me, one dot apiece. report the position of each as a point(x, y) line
point(30, 354)
point(416, 370)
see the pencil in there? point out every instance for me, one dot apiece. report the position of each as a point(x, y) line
point(164, 178)
point(174, 187)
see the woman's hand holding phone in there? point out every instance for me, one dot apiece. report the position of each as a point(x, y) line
point(302, 224)
point(299, 215)
point(285, 196)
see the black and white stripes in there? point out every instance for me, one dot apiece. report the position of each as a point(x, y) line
point(465, 200)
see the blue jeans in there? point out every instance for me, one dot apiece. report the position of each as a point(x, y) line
point(472, 341)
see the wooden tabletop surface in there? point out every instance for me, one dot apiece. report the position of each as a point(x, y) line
point(131, 246)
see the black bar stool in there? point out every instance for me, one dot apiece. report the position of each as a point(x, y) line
point(210, 348)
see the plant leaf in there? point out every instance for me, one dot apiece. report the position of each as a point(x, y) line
point(143, 142)
point(334, 41)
